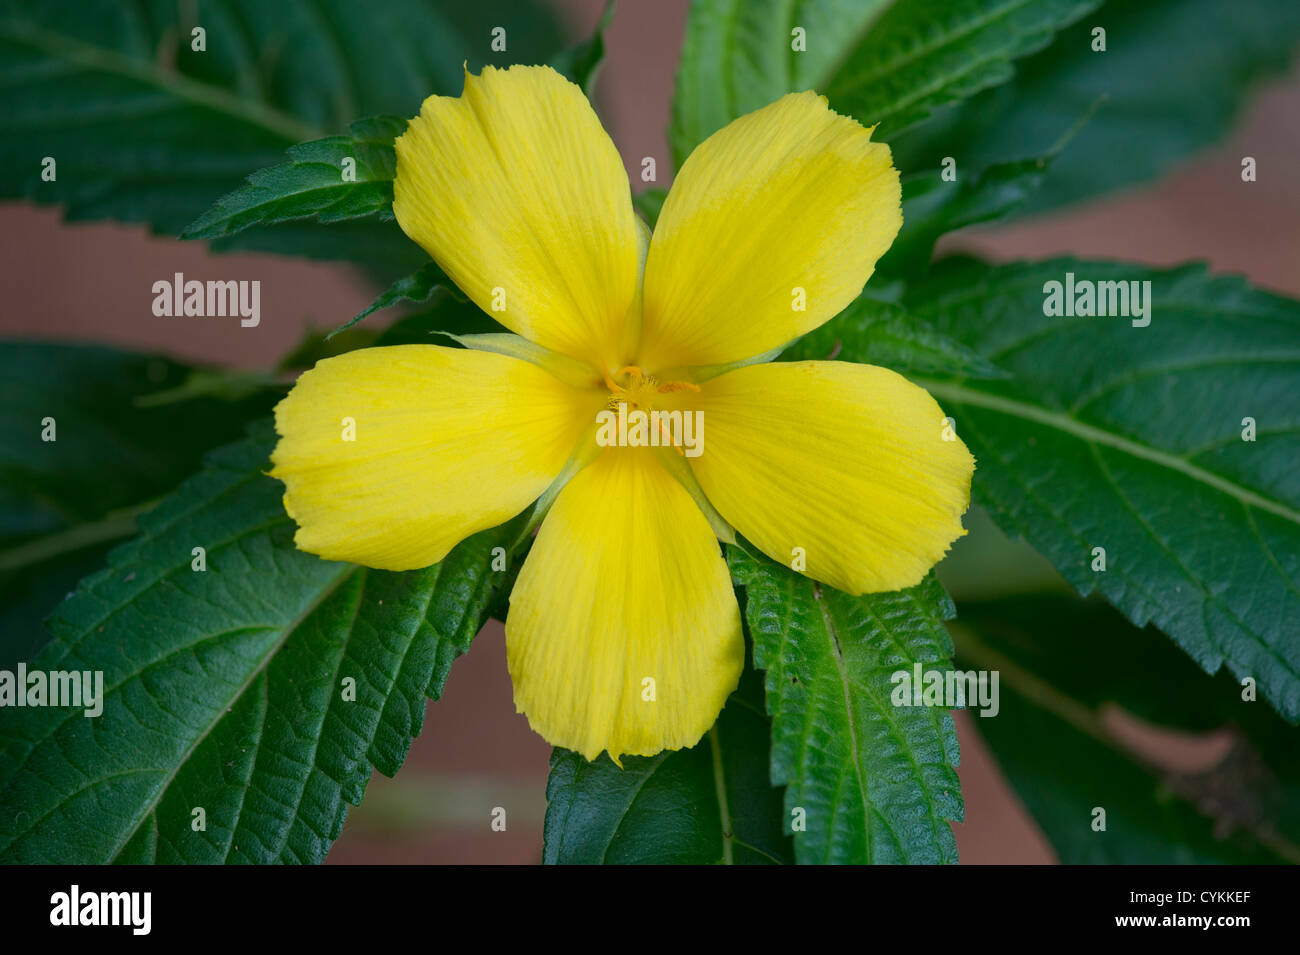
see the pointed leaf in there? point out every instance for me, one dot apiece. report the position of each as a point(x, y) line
point(707, 804)
point(1131, 439)
point(877, 783)
point(878, 333)
point(329, 180)
point(146, 126)
point(260, 690)
point(417, 287)
point(1173, 78)
point(877, 62)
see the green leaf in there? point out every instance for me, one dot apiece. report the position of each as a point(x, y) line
point(449, 315)
point(665, 809)
point(650, 203)
point(933, 206)
point(377, 245)
point(116, 447)
point(446, 314)
point(1131, 439)
point(879, 333)
point(112, 448)
point(1174, 77)
point(226, 689)
point(877, 782)
point(29, 589)
point(880, 63)
point(737, 57)
point(416, 287)
point(1063, 666)
point(145, 129)
point(581, 62)
point(312, 183)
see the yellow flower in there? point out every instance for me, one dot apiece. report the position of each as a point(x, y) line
point(623, 632)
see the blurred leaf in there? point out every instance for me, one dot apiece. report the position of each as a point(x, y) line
point(444, 314)
point(736, 57)
point(878, 333)
point(1131, 439)
point(581, 61)
point(1175, 75)
point(113, 448)
point(877, 782)
point(986, 563)
point(534, 32)
point(933, 206)
point(877, 62)
point(417, 287)
point(649, 203)
point(317, 344)
point(226, 689)
point(30, 589)
point(664, 809)
point(449, 314)
point(1087, 650)
point(379, 246)
point(64, 502)
point(1061, 662)
point(229, 385)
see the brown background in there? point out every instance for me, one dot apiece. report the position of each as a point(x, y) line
point(93, 283)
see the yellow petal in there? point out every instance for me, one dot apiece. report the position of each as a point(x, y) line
point(444, 442)
point(845, 465)
point(519, 195)
point(789, 205)
point(625, 584)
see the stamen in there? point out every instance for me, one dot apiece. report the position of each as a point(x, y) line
point(632, 393)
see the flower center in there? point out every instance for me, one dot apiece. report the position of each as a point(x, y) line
point(633, 387)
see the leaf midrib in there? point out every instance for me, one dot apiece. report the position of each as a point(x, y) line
point(90, 57)
point(328, 588)
point(926, 49)
point(334, 681)
point(220, 226)
point(1093, 435)
point(837, 654)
